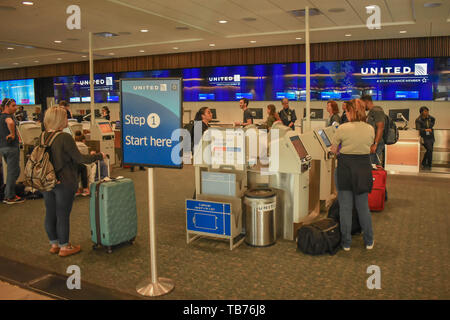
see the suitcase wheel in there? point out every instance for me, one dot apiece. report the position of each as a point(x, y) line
point(95, 246)
point(109, 249)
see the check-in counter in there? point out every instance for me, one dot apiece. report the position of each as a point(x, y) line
point(404, 156)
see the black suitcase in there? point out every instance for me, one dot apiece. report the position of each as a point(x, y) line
point(319, 237)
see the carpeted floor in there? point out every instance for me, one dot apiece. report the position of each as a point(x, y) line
point(411, 248)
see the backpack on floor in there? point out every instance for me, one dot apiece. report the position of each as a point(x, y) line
point(39, 171)
point(319, 237)
point(333, 213)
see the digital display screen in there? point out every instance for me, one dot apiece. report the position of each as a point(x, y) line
point(406, 95)
point(22, 91)
point(324, 137)
point(298, 145)
point(105, 127)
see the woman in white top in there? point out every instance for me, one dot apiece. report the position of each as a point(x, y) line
point(352, 142)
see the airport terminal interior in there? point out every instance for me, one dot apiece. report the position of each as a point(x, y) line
point(217, 216)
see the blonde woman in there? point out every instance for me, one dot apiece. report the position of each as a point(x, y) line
point(354, 172)
point(65, 157)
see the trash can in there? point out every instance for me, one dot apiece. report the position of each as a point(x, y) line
point(260, 217)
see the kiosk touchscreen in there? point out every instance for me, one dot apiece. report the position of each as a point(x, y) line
point(103, 133)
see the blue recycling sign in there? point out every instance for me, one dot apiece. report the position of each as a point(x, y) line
point(151, 113)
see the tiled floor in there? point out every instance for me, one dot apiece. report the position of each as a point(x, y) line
point(11, 292)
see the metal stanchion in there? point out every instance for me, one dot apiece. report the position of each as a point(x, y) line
point(155, 286)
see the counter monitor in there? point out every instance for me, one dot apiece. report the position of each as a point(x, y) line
point(324, 137)
point(105, 127)
point(298, 145)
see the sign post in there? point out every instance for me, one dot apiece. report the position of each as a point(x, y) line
point(150, 113)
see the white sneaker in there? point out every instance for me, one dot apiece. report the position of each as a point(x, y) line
point(346, 249)
point(371, 246)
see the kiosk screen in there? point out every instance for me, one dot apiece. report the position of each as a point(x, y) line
point(298, 145)
point(105, 127)
point(324, 137)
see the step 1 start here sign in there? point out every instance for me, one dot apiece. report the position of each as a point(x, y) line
point(150, 115)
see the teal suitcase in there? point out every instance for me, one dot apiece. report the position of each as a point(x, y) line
point(113, 213)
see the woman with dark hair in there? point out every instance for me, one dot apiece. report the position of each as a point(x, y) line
point(354, 173)
point(106, 113)
point(203, 115)
point(272, 116)
point(333, 110)
point(344, 118)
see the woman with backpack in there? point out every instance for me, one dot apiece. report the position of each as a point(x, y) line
point(65, 157)
point(354, 173)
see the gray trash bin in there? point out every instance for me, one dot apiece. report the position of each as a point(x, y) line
point(260, 217)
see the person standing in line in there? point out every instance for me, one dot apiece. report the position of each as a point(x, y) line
point(248, 117)
point(287, 115)
point(376, 118)
point(9, 149)
point(354, 173)
point(66, 106)
point(106, 113)
point(65, 157)
point(333, 111)
point(202, 117)
point(425, 124)
point(272, 116)
point(344, 118)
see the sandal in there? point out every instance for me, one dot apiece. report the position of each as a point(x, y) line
point(69, 250)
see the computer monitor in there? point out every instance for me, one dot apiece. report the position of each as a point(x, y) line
point(257, 113)
point(315, 113)
point(299, 147)
point(324, 137)
point(105, 127)
point(214, 113)
point(396, 114)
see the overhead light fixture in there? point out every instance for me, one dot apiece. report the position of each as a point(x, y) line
point(84, 56)
point(348, 35)
point(336, 10)
point(57, 41)
point(223, 21)
point(59, 59)
point(302, 12)
point(432, 4)
point(36, 61)
point(175, 48)
point(15, 63)
point(144, 30)
point(10, 48)
point(249, 19)
point(212, 45)
point(105, 34)
point(403, 31)
point(27, 3)
point(141, 51)
point(298, 38)
point(252, 41)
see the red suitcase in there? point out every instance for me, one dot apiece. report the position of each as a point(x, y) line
point(377, 196)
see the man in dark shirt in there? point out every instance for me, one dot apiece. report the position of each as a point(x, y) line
point(376, 118)
point(425, 124)
point(248, 117)
point(9, 149)
point(66, 106)
point(287, 115)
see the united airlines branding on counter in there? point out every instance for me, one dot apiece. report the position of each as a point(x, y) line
point(225, 80)
point(161, 87)
point(420, 69)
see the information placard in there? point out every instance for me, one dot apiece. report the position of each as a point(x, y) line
point(150, 114)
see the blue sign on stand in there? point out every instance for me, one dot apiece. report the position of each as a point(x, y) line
point(150, 114)
point(208, 217)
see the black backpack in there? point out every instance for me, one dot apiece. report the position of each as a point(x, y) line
point(333, 213)
point(390, 134)
point(319, 237)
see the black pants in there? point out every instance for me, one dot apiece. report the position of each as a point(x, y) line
point(82, 171)
point(428, 157)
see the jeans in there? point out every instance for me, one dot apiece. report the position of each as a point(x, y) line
point(58, 204)
point(12, 158)
point(428, 157)
point(378, 152)
point(345, 198)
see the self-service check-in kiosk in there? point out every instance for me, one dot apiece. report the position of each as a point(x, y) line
point(102, 133)
point(28, 133)
point(289, 171)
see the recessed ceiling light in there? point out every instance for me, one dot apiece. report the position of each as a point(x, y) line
point(141, 51)
point(84, 56)
point(348, 35)
point(403, 31)
point(36, 61)
point(59, 59)
point(27, 3)
point(212, 45)
point(111, 53)
point(432, 4)
point(15, 63)
point(10, 48)
point(175, 48)
point(57, 41)
point(144, 30)
point(249, 19)
point(298, 38)
point(223, 21)
point(336, 10)
point(252, 41)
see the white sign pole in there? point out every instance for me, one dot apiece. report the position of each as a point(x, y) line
point(155, 286)
point(308, 73)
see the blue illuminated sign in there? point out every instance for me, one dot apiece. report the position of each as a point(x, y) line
point(150, 116)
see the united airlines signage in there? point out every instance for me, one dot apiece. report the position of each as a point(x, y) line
point(420, 69)
point(234, 80)
point(107, 81)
